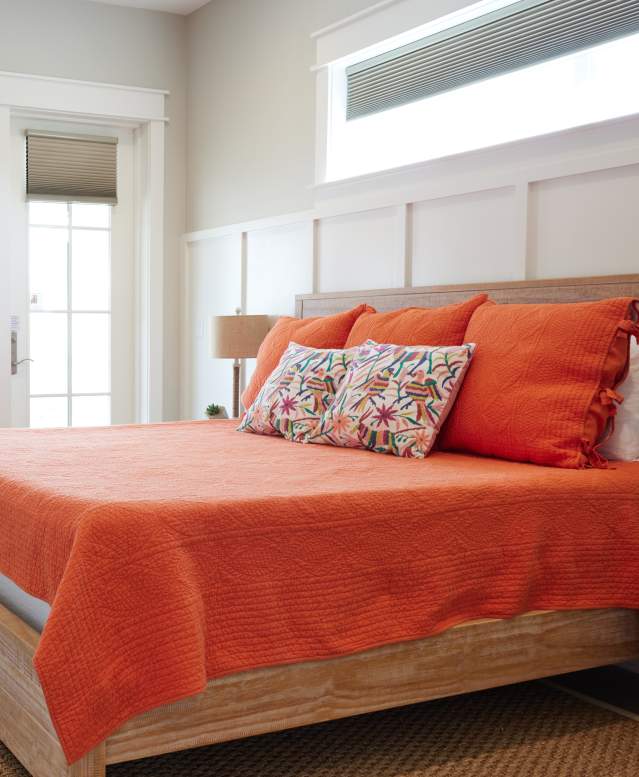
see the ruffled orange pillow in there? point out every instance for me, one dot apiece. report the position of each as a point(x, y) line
point(317, 332)
point(542, 385)
point(416, 326)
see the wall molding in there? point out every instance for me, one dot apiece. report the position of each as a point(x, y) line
point(347, 20)
point(149, 251)
point(249, 226)
point(98, 84)
point(5, 267)
point(46, 95)
point(186, 360)
point(379, 22)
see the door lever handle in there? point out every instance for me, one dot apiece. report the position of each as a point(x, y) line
point(22, 361)
point(15, 362)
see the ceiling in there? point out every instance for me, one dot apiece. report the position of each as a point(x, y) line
point(173, 6)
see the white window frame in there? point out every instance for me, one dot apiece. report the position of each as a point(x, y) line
point(366, 34)
point(38, 97)
point(358, 32)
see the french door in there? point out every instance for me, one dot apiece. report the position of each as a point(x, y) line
point(72, 327)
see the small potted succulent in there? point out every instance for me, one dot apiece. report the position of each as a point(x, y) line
point(216, 411)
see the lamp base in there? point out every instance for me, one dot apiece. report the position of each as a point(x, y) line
point(236, 388)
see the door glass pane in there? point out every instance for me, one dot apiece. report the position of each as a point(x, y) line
point(49, 213)
point(90, 274)
point(70, 271)
point(89, 214)
point(91, 411)
point(48, 347)
point(48, 268)
point(48, 412)
point(91, 353)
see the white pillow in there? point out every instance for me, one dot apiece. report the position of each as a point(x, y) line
point(624, 443)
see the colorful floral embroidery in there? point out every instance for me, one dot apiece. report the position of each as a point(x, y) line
point(394, 398)
point(298, 392)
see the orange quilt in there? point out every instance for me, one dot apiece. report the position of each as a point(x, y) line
point(180, 552)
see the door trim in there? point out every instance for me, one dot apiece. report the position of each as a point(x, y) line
point(31, 96)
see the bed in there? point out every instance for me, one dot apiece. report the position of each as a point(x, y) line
point(550, 596)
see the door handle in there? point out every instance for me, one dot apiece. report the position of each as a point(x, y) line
point(15, 362)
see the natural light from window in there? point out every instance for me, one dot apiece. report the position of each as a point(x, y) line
point(70, 314)
point(589, 86)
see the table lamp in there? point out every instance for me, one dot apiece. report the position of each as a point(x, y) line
point(237, 337)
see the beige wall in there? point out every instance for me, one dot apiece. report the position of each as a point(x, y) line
point(88, 41)
point(252, 106)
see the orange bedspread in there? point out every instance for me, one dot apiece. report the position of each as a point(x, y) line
point(180, 552)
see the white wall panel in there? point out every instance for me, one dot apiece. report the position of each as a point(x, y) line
point(585, 224)
point(279, 265)
point(466, 238)
point(360, 251)
point(215, 288)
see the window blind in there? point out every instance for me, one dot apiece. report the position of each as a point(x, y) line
point(519, 35)
point(81, 168)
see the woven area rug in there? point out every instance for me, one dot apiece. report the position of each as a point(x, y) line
point(528, 730)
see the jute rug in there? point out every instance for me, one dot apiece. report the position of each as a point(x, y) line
point(527, 730)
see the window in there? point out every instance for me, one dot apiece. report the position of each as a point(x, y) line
point(586, 86)
point(70, 315)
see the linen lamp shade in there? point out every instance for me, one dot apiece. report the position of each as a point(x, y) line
point(236, 337)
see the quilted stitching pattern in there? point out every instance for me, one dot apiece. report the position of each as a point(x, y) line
point(173, 553)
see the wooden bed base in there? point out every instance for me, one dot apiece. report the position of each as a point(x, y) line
point(470, 657)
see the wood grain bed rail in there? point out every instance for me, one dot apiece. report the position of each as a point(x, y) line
point(469, 657)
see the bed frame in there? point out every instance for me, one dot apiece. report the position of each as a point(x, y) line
point(470, 657)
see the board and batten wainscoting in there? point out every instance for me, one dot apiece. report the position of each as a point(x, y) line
point(559, 205)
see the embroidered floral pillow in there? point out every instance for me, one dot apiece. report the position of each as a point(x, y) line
point(298, 392)
point(394, 399)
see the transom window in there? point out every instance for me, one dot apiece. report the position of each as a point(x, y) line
point(70, 314)
point(583, 87)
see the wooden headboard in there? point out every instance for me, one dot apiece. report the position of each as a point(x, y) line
point(555, 290)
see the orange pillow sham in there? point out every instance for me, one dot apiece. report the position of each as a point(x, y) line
point(416, 326)
point(542, 384)
point(317, 332)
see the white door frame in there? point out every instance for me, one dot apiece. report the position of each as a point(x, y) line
point(142, 109)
